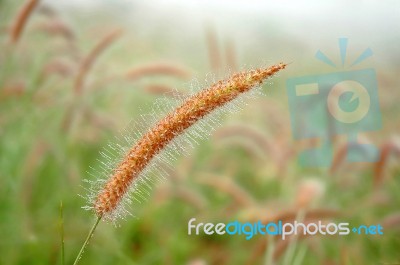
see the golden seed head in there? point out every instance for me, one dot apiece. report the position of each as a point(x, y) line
point(175, 123)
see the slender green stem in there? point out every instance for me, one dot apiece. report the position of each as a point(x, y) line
point(87, 240)
point(62, 234)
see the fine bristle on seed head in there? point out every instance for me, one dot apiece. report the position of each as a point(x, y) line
point(174, 124)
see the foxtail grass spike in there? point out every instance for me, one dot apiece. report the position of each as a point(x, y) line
point(165, 130)
point(21, 19)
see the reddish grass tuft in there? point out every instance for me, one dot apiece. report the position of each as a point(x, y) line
point(174, 124)
point(21, 19)
point(88, 62)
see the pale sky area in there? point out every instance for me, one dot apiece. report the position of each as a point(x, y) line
point(316, 24)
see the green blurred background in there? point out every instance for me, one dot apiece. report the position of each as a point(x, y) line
point(80, 71)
